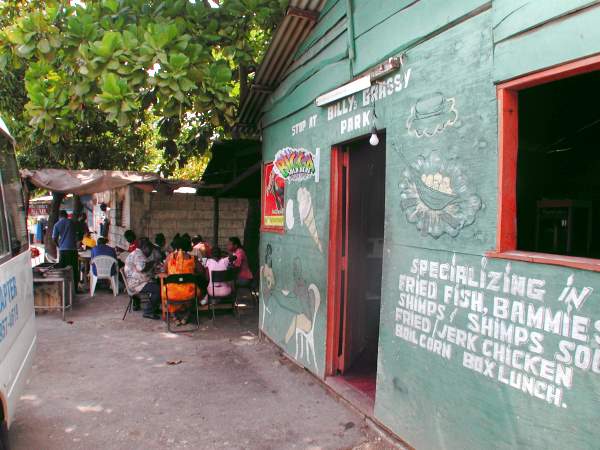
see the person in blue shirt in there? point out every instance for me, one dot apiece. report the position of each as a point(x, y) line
point(101, 249)
point(64, 235)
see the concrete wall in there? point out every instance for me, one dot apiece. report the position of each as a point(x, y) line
point(150, 213)
point(434, 390)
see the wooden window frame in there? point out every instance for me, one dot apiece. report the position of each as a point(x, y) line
point(508, 146)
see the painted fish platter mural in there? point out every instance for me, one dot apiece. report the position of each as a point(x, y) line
point(436, 196)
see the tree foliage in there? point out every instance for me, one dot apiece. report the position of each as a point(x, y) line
point(115, 61)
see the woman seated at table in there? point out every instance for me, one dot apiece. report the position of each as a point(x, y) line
point(181, 262)
point(218, 262)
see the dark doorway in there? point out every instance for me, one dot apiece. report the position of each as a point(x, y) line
point(358, 234)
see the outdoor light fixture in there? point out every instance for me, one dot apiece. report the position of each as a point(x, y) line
point(344, 91)
point(361, 83)
point(374, 139)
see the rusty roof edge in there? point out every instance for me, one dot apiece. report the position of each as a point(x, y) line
point(291, 31)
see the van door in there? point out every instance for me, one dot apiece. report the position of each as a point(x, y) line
point(17, 317)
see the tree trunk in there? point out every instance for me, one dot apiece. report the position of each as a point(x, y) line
point(77, 207)
point(50, 247)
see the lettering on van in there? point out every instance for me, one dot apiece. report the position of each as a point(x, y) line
point(500, 324)
point(347, 108)
point(8, 294)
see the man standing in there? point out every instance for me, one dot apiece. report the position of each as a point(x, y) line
point(138, 271)
point(64, 235)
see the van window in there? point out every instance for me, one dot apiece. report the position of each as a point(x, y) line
point(4, 247)
point(13, 198)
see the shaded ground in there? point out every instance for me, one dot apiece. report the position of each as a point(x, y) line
point(103, 383)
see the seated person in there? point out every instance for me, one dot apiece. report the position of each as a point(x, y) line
point(138, 273)
point(130, 237)
point(160, 242)
point(88, 241)
point(239, 261)
point(101, 249)
point(181, 262)
point(171, 247)
point(218, 262)
point(201, 249)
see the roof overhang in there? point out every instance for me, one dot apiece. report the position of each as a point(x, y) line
point(298, 22)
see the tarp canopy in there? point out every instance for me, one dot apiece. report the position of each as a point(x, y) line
point(82, 182)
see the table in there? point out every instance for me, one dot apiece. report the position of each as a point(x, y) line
point(84, 265)
point(56, 275)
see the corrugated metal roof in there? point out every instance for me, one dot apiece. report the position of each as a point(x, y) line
point(291, 32)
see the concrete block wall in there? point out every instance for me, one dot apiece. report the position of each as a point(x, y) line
point(232, 219)
point(157, 212)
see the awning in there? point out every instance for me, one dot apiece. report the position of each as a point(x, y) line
point(82, 182)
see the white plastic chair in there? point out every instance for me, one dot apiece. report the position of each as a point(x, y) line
point(307, 337)
point(104, 265)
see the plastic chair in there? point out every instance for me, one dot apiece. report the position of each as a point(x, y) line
point(184, 278)
point(104, 271)
point(306, 338)
point(143, 296)
point(223, 276)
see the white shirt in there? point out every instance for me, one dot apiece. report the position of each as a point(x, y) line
point(134, 270)
point(220, 289)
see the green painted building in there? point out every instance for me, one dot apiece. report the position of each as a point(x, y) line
point(448, 274)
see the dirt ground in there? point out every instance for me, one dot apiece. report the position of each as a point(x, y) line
point(102, 383)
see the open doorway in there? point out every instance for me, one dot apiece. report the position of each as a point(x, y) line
point(356, 258)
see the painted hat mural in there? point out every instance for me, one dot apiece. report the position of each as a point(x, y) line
point(437, 198)
point(431, 115)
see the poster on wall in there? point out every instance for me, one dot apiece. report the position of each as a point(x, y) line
point(297, 164)
point(273, 216)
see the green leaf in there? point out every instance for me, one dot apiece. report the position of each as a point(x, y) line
point(112, 5)
point(44, 46)
point(81, 89)
point(111, 41)
point(25, 50)
point(14, 35)
point(221, 73)
point(178, 61)
point(110, 85)
point(186, 85)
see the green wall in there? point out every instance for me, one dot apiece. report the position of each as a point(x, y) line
point(440, 116)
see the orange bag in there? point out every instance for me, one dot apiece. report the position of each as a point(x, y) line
point(177, 263)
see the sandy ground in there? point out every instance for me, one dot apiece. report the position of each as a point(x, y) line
point(102, 383)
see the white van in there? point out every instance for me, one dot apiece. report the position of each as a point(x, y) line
point(17, 316)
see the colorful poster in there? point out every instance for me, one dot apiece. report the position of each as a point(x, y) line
point(297, 164)
point(273, 216)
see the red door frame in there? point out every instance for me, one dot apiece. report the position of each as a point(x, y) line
point(508, 144)
point(336, 262)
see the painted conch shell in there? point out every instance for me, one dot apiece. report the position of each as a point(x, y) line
point(307, 215)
